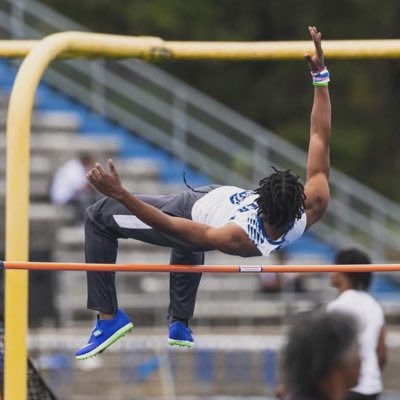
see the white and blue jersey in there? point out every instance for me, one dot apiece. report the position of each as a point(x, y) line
point(231, 204)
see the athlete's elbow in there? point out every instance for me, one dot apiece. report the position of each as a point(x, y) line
point(316, 207)
point(320, 205)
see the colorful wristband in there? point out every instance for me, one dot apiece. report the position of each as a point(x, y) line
point(320, 77)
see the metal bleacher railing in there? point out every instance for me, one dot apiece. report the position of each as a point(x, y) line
point(201, 131)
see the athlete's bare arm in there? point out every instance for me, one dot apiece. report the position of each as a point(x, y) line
point(316, 187)
point(230, 238)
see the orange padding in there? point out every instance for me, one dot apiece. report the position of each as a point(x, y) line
point(54, 266)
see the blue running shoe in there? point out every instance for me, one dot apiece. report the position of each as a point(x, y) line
point(104, 334)
point(180, 335)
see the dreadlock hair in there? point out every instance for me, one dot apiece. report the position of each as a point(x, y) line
point(281, 198)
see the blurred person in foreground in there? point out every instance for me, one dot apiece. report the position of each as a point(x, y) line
point(354, 298)
point(321, 360)
point(70, 186)
point(235, 221)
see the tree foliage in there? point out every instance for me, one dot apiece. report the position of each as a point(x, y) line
point(365, 94)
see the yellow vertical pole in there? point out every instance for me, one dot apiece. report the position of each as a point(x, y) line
point(15, 366)
point(17, 248)
point(17, 235)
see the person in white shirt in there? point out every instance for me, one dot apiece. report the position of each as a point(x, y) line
point(354, 298)
point(70, 186)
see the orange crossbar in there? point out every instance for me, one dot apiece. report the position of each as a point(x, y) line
point(54, 266)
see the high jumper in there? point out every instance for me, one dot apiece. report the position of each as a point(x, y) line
point(230, 219)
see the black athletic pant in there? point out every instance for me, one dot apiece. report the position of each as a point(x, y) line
point(102, 232)
point(359, 396)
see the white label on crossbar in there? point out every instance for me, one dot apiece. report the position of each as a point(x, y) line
point(250, 268)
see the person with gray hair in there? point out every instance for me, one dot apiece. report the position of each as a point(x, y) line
point(321, 359)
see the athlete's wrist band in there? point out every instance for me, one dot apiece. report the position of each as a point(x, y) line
point(320, 77)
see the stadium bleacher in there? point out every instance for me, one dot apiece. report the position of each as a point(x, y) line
point(62, 127)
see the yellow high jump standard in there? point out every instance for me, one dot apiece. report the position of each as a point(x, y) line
point(89, 45)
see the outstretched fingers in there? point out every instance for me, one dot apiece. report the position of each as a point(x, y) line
point(111, 167)
point(95, 173)
point(317, 60)
point(99, 169)
point(316, 37)
point(106, 182)
point(91, 177)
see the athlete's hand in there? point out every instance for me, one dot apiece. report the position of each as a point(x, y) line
point(316, 61)
point(107, 183)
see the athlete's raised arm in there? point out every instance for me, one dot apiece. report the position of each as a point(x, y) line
point(318, 164)
point(229, 238)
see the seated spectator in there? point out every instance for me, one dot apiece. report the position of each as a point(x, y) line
point(273, 282)
point(70, 186)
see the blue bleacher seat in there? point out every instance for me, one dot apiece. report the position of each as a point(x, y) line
point(237, 367)
point(204, 366)
point(268, 367)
